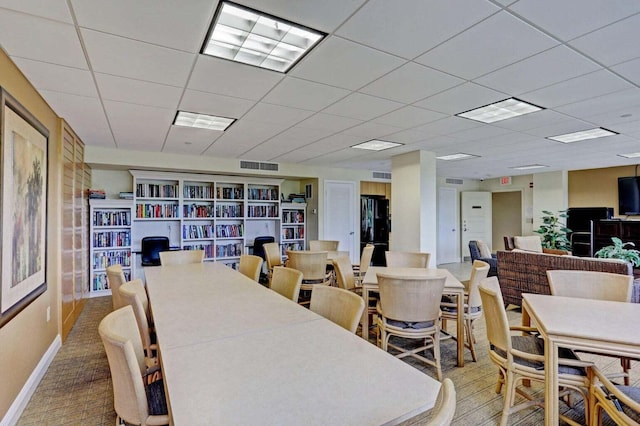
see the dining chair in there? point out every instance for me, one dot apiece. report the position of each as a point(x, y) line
point(409, 308)
point(337, 305)
point(405, 259)
point(286, 282)
point(137, 399)
point(621, 403)
point(313, 265)
point(134, 295)
point(346, 280)
point(272, 256)
point(594, 285)
point(150, 248)
point(323, 245)
point(365, 261)
point(445, 408)
point(472, 305)
point(181, 257)
point(250, 266)
point(520, 357)
point(115, 278)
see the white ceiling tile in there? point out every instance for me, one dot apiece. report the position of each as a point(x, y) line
point(410, 136)
point(583, 15)
point(328, 122)
point(284, 142)
point(568, 126)
point(40, 39)
point(531, 121)
point(416, 26)
point(229, 78)
point(56, 10)
point(142, 61)
point(603, 104)
point(335, 142)
point(276, 114)
point(612, 119)
point(242, 137)
point(409, 116)
point(630, 70)
point(304, 94)
point(371, 130)
point(484, 48)
point(212, 104)
point(613, 44)
point(332, 157)
point(343, 63)
point(46, 76)
point(139, 126)
point(478, 133)
point(362, 107)
point(122, 89)
point(448, 125)
point(543, 69)
point(189, 140)
point(182, 27)
point(410, 83)
point(461, 98)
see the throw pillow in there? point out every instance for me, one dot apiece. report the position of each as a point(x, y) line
point(530, 243)
point(485, 251)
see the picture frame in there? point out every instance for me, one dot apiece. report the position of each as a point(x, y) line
point(23, 207)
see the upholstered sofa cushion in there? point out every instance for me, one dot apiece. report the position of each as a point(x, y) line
point(485, 251)
point(529, 243)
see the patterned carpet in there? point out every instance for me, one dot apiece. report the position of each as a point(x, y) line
point(76, 390)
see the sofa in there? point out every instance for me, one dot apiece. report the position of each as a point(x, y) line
point(526, 272)
point(474, 251)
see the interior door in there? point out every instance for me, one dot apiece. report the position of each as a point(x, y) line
point(476, 219)
point(448, 226)
point(341, 215)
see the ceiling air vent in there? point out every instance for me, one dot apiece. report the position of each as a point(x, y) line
point(273, 167)
point(382, 175)
point(251, 165)
point(454, 181)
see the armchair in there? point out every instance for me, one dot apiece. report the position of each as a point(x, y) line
point(475, 255)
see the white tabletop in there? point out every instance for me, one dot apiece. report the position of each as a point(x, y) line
point(234, 352)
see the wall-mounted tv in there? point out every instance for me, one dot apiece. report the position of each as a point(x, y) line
point(629, 195)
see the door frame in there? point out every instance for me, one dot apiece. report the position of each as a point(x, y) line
point(456, 235)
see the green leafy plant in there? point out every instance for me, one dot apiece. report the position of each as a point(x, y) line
point(554, 232)
point(619, 251)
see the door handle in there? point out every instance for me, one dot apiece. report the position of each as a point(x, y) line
point(351, 233)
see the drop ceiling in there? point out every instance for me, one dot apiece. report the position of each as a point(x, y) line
point(118, 71)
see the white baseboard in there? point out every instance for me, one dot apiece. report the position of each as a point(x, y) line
point(19, 404)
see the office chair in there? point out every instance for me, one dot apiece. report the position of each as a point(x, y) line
point(258, 250)
point(150, 250)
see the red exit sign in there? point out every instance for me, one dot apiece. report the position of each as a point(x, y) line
point(505, 180)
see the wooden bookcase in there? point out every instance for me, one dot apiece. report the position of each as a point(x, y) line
point(293, 232)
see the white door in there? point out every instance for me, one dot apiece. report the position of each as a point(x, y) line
point(476, 219)
point(447, 226)
point(341, 215)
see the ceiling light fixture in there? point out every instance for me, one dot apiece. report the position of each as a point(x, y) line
point(202, 121)
point(457, 156)
point(529, 167)
point(376, 145)
point(499, 111)
point(598, 132)
point(245, 35)
point(630, 155)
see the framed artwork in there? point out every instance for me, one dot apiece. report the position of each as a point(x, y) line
point(23, 187)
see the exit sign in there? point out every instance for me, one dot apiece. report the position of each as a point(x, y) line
point(505, 180)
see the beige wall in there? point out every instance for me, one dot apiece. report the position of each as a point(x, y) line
point(521, 183)
point(506, 217)
point(25, 339)
point(597, 187)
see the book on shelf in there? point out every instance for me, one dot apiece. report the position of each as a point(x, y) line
point(126, 195)
point(97, 194)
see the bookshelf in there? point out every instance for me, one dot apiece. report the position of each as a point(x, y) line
point(293, 231)
point(109, 241)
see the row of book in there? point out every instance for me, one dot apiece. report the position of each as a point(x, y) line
point(100, 280)
point(112, 218)
point(292, 217)
point(104, 259)
point(97, 194)
point(197, 210)
point(228, 193)
point(292, 246)
point(208, 249)
point(157, 211)
point(229, 231)
point(150, 190)
point(296, 233)
point(197, 231)
point(267, 194)
point(229, 250)
point(112, 239)
point(263, 211)
point(230, 210)
point(197, 191)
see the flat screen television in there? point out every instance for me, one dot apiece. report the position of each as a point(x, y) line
point(629, 195)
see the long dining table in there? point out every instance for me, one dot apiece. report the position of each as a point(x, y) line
point(599, 326)
point(452, 287)
point(235, 352)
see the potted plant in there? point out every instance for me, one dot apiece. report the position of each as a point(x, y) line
point(553, 232)
point(619, 251)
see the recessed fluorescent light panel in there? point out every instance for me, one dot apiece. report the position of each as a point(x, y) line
point(202, 121)
point(245, 35)
point(598, 132)
point(458, 156)
point(499, 111)
point(376, 145)
point(630, 155)
point(529, 167)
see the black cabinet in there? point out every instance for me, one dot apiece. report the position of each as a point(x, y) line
point(626, 230)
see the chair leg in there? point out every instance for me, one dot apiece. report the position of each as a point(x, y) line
point(509, 397)
point(436, 354)
point(626, 366)
point(468, 325)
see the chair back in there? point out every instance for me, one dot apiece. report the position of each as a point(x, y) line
point(312, 264)
point(258, 245)
point(405, 259)
point(344, 273)
point(121, 340)
point(115, 278)
point(474, 250)
point(286, 282)
point(495, 315)
point(323, 245)
point(272, 255)
point(365, 258)
point(150, 248)
point(509, 244)
point(181, 257)
point(337, 305)
point(591, 285)
point(411, 299)
point(445, 408)
point(250, 266)
point(479, 272)
point(133, 294)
